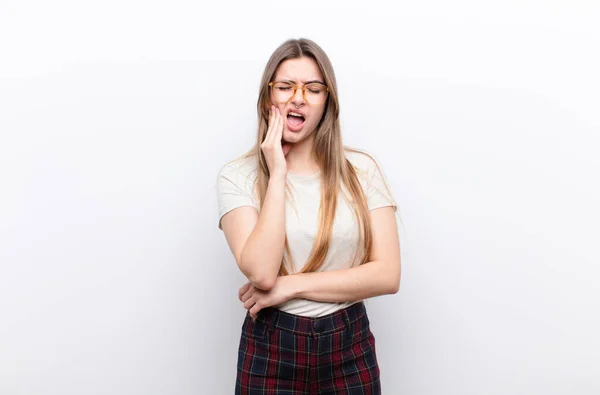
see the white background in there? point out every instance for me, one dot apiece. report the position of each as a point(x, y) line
point(116, 116)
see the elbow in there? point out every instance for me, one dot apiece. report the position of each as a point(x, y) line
point(266, 283)
point(390, 280)
point(397, 275)
point(394, 285)
point(394, 288)
point(259, 278)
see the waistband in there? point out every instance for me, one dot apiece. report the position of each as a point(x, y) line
point(336, 321)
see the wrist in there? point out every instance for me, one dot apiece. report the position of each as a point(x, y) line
point(277, 179)
point(294, 285)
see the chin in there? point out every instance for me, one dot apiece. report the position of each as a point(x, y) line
point(292, 137)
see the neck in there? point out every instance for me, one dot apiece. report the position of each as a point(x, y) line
point(300, 159)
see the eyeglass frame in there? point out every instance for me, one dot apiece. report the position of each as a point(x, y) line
point(303, 90)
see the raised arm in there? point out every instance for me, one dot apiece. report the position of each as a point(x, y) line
point(257, 241)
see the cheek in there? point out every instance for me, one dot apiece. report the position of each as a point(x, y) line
point(272, 102)
point(318, 116)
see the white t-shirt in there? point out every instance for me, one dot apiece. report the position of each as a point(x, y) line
point(235, 189)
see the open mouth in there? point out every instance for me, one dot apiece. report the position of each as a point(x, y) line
point(295, 121)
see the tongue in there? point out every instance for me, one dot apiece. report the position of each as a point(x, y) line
point(295, 121)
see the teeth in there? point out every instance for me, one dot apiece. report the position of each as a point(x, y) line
point(295, 114)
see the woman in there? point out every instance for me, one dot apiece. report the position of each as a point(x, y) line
point(312, 226)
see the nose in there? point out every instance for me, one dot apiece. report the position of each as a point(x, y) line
point(298, 97)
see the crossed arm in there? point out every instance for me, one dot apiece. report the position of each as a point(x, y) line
point(374, 278)
point(248, 234)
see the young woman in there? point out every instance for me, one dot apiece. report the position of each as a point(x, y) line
point(311, 224)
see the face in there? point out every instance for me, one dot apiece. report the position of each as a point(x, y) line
point(299, 71)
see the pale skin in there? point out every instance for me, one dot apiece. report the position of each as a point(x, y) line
point(251, 236)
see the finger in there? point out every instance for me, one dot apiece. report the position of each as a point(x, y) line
point(247, 295)
point(271, 115)
point(275, 126)
point(253, 317)
point(272, 122)
point(286, 147)
point(280, 126)
point(248, 304)
point(243, 290)
point(255, 309)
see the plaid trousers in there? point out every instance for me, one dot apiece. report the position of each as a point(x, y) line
point(287, 354)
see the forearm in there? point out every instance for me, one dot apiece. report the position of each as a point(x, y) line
point(365, 281)
point(262, 254)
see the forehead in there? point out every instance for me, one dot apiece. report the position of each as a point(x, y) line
point(299, 70)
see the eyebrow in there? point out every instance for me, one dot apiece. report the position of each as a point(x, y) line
point(305, 82)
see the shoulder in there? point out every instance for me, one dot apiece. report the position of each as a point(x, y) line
point(368, 170)
point(235, 185)
point(359, 157)
point(241, 168)
point(364, 162)
point(238, 175)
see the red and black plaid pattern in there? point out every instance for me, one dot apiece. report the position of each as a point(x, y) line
point(282, 353)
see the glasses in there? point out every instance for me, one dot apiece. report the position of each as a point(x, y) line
point(314, 93)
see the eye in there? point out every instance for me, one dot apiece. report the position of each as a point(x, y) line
point(282, 86)
point(315, 88)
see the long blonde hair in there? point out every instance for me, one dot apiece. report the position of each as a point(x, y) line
point(328, 153)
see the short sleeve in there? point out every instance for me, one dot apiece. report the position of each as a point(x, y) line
point(378, 191)
point(234, 189)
